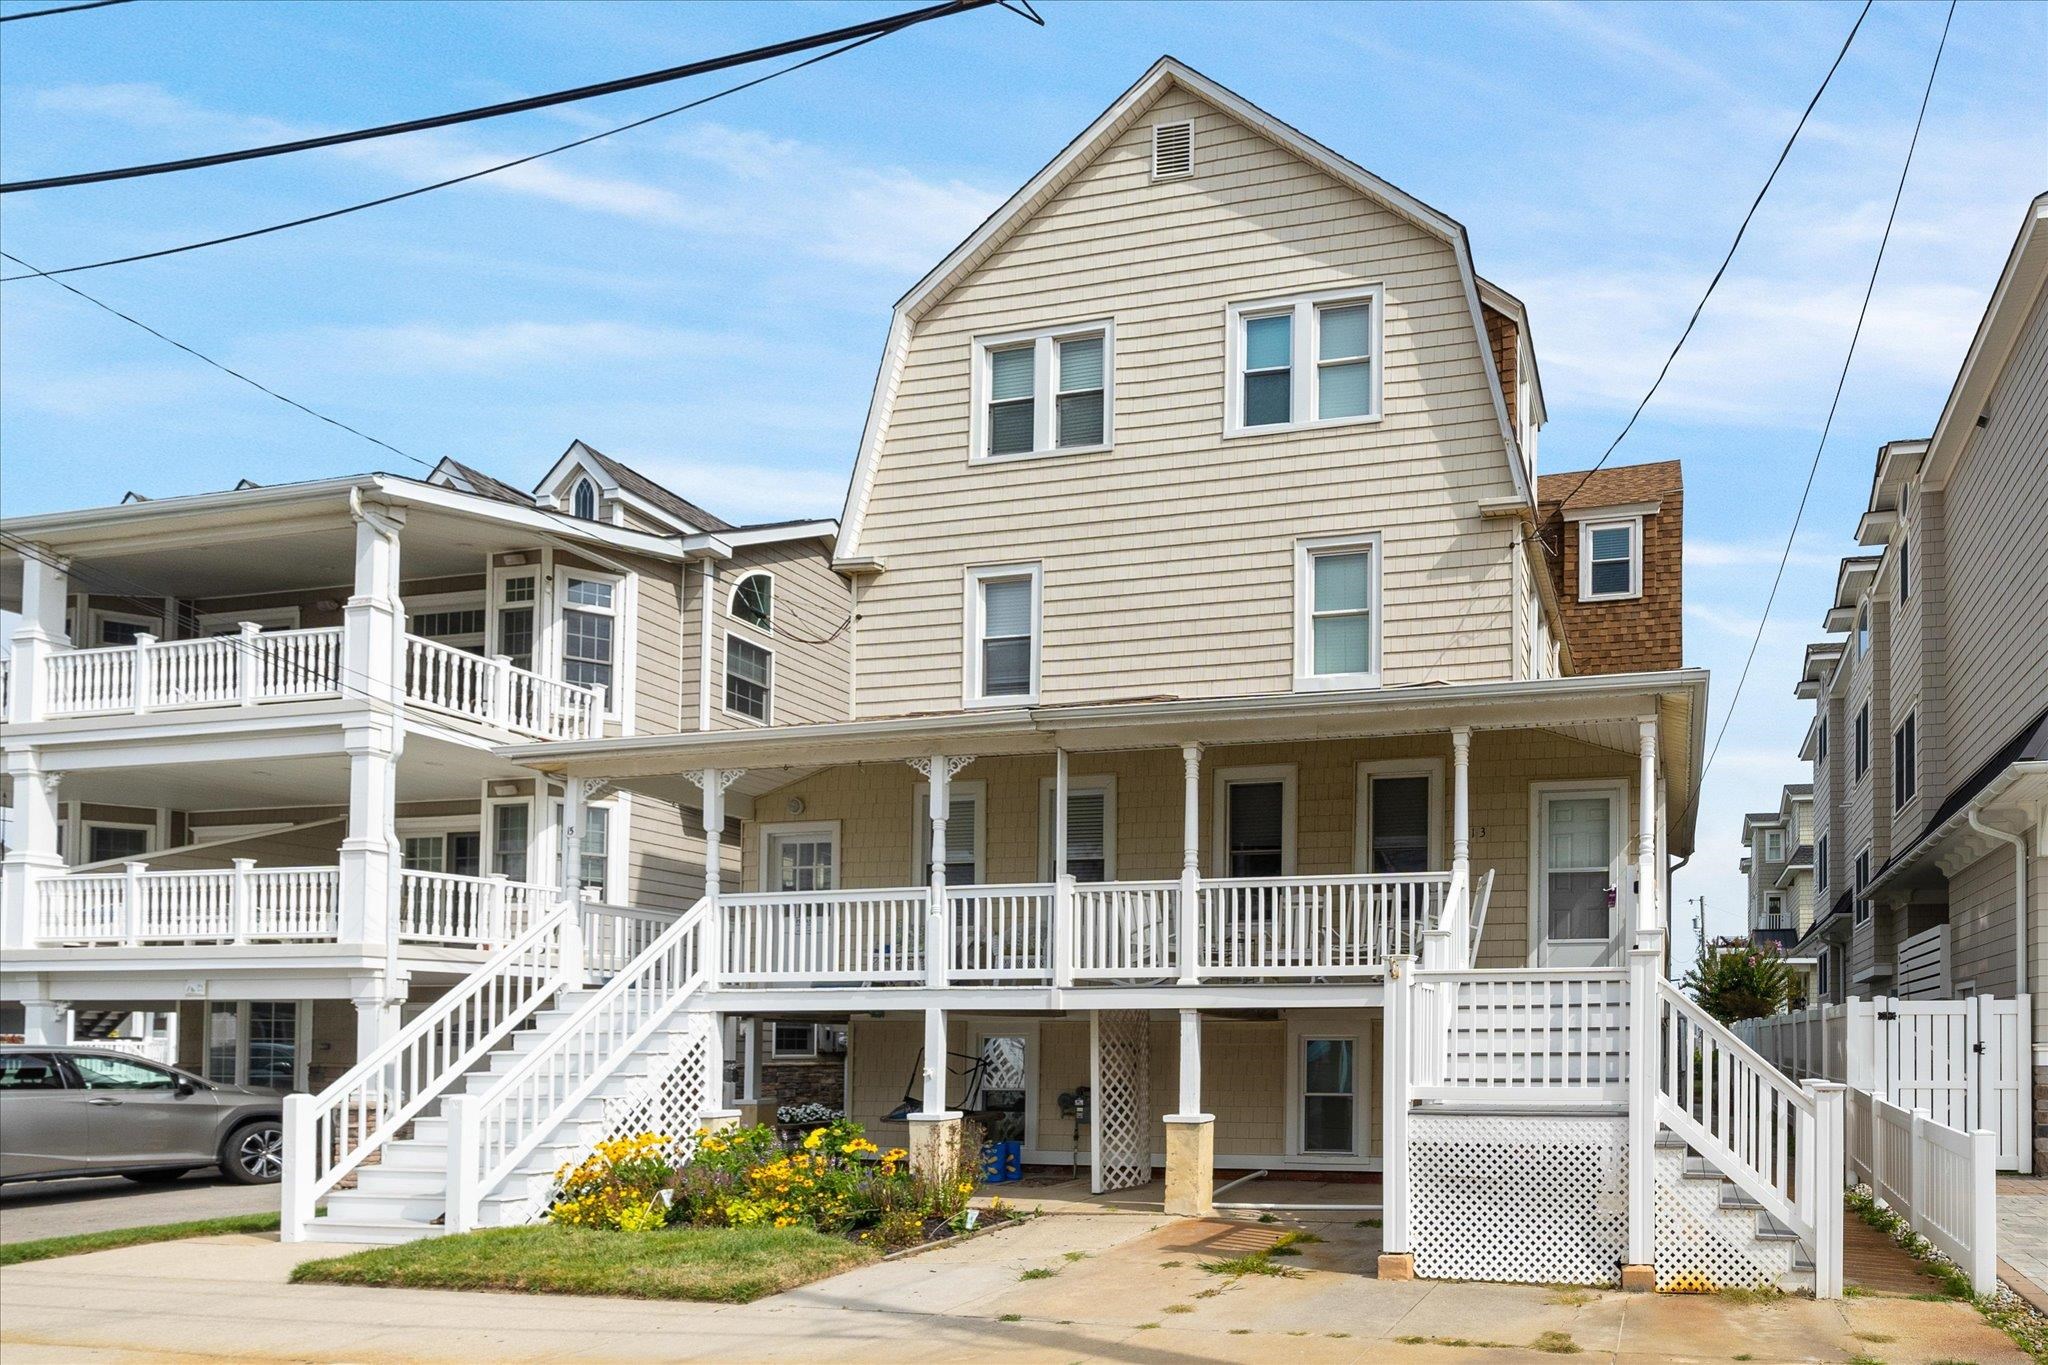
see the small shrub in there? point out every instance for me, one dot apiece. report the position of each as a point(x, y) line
point(620, 1186)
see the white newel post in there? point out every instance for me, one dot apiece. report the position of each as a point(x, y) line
point(138, 676)
point(134, 914)
point(1829, 1102)
point(1649, 914)
point(249, 657)
point(1397, 1045)
point(242, 899)
point(44, 582)
point(1190, 864)
point(1645, 968)
point(494, 916)
point(32, 856)
point(569, 881)
point(500, 677)
point(1062, 938)
point(295, 1186)
point(1459, 912)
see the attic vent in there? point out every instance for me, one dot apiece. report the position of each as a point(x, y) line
point(1173, 150)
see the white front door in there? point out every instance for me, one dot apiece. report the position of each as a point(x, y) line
point(1578, 878)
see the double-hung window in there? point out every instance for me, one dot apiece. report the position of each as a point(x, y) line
point(1002, 615)
point(963, 834)
point(1610, 559)
point(1862, 740)
point(1398, 828)
point(518, 597)
point(511, 827)
point(1091, 829)
point(1774, 846)
point(1303, 362)
point(749, 679)
point(589, 633)
point(1905, 761)
point(1337, 609)
point(1047, 392)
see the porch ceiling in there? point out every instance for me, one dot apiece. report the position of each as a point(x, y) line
point(1601, 710)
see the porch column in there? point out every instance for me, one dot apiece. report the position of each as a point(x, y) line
point(373, 638)
point(32, 855)
point(377, 1004)
point(44, 581)
point(1190, 1133)
point(938, 771)
point(934, 1129)
point(1649, 913)
point(1645, 967)
point(45, 1022)
point(1397, 1259)
point(1460, 914)
point(712, 782)
point(1062, 938)
point(370, 853)
point(1190, 863)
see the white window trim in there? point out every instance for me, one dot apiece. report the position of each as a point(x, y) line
point(95, 618)
point(488, 858)
point(1361, 835)
point(921, 827)
point(1774, 838)
point(1305, 552)
point(1044, 391)
point(495, 603)
point(775, 1051)
point(618, 702)
point(1219, 844)
point(265, 618)
point(732, 602)
point(828, 830)
point(725, 671)
point(1774, 917)
point(576, 487)
point(302, 1039)
point(86, 827)
point(1635, 558)
point(1104, 783)
point(618, 838)
point(1356, 1026)
point(1302, 356)
point(1619, 867)
point(974, 577)
point(1904, 753)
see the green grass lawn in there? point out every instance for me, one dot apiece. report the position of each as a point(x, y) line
point(710, 1265)
point(14, 1253)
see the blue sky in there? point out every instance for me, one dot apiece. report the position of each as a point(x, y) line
point(707, 298)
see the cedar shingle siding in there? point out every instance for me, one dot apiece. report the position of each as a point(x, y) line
point(1633, 635)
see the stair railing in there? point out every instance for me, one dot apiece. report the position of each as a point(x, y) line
point(330, 1134)
point(1780, 1144)
point(490, 1134)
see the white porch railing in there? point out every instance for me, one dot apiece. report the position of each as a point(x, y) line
point(251, 904)
point(613, 935)
point(1942, 1181)
point(779, 938)
point(1315, 926)
point(330, 1134)
point(1125, 930)
point(1529, 1036)
point(251, 668)
point(1001, 933)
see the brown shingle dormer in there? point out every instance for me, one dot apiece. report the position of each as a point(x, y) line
point(1618, 619)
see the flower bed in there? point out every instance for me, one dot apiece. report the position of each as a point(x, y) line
point(831, 1180)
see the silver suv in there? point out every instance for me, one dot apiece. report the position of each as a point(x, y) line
point(69, 1111)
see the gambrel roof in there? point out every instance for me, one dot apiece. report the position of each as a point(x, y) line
point(985, 240)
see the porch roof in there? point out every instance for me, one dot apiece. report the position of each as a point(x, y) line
point(1599, 709)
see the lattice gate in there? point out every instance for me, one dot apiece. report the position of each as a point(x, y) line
point(1119, 1084)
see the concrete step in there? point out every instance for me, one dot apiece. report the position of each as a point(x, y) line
point(359, 1206)
point(388, 1232)
point(381, 1181)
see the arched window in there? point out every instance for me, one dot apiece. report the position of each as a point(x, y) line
point(753, 601)
point(583, 502)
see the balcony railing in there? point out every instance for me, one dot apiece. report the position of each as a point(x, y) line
point(252, 669)
point(249, 904)
point(1259, 928)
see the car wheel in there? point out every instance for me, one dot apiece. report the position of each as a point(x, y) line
point(154, 1177)
point(254, 1153)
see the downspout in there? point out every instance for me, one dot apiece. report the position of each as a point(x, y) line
point(2019, 895)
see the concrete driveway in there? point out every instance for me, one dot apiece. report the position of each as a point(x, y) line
point(58, 1208)
point(1124, 1287)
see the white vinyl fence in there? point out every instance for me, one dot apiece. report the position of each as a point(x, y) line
point(1965, 1062)
point(1941, 1180)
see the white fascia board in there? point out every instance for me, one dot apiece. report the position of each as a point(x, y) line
point(1109, 124)
point(1619, 509)
point(826, 528)
point(1500, 300)
point(533, 518)
point(2012, 302)
point(575, 457)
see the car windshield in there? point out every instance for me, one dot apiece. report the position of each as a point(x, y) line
point(118, 1073)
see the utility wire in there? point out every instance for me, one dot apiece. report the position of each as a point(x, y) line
point(452, 180)
point(1813, 468)
point(518, 106)
point(1714, 283)
point(67, 9)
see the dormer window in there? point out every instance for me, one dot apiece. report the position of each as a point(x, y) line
point(583, 501)
point(1048, 392)
point(1610, 559)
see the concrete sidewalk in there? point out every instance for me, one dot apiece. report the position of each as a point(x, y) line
point(1134, 1292)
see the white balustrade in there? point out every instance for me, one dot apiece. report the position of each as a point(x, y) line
point(1537, 1036)
point(1125, 930)
point(294, 665)
point(209, 906)
point(1001, 933)
point(330, 1134)
point(83, 908)
point(89, 681)
point(613, 935)
point(1315, 926)
point(443, 678)
point(447, 907)
point(783, 937)
point(547, 709)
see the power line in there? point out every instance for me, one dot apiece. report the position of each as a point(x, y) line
point(452, 180)
point(61, 9)
point(518, 106)
point(1713, 283)
point(1813, 468)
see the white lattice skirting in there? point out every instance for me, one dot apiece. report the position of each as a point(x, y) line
point(1703, 1246)
point(1528, 1198)
point(1122, 1100)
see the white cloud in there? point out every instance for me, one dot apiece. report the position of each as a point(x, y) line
point(1705, 553)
